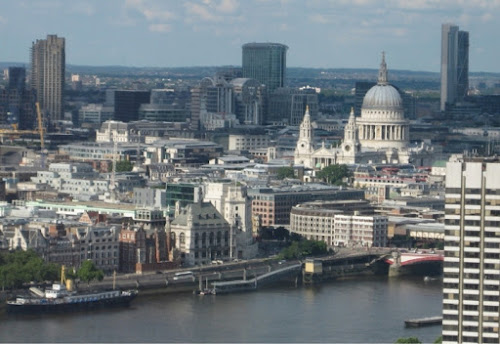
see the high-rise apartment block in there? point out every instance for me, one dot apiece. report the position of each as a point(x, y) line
point(454, 65)
point(265, 62)
point(471, 285)
point(48, 63)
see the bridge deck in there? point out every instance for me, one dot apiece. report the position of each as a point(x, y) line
point(251, 284)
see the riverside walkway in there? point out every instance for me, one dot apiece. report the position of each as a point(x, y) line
point(254, 283)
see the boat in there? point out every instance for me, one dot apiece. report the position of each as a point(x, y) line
point(206, 290)
point(62, 297)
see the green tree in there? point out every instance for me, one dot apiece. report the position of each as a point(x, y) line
point(438, 340)
point(334, 174)
point(303, 248)
point(122, 166)
point(413, 340)
point(19, 267)
point(285, 172)
point(88, 272)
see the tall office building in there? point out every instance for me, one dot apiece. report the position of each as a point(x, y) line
point(48, 63)
point(454, 65)
point(17, 78)
point(471, 285)
point(265, 62)
point(128, 102)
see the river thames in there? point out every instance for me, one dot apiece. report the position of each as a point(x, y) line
point(360, 310)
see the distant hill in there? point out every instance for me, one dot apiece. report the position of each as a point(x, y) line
point(293, 73)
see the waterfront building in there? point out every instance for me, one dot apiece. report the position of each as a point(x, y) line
point(132, 241)
point(379, 136)
point(454, 65)
point(231, 200)
point(273, 205)
point(48, 64)
point(472, 252)
point(340, 223)
point(200, 234)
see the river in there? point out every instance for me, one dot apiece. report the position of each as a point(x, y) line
point(360, 310)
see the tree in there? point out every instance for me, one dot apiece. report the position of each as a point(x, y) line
point(438, 340)
point(19, 267)
point(285, 172)
point(122, 166)
point(411, 340)
point(88, 272)
point(334, 174)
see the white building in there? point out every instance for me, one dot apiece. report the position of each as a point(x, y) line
point(380, 135)
point(472, 253)
point(338, 228)
point(231, 200)
point(201, 234)
point(95, 113)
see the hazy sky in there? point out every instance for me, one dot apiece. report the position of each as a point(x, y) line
point(319, 33)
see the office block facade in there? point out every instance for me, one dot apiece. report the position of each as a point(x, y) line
point(265, 62)
point(48, 63)
point(127, 104)
point(454, 65)
point(471, 284)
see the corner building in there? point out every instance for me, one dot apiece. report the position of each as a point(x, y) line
point(471, 285)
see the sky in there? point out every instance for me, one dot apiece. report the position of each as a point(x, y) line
point(319, 33)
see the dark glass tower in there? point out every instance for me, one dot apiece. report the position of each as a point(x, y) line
point(454, 65)
point(265, 62)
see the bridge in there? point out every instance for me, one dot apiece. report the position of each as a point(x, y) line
point(259, 281)
point(418, 263)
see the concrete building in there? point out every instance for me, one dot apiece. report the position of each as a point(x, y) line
point(273, 205)
point(231, 200)
point(340, 223)
point(201, 234)
point(265, 62)
point(454, 65)
point(48, 64)
point(472, 252)
point(95, 113)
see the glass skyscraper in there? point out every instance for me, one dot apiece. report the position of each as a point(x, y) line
point(454, 65)
point(265, 62)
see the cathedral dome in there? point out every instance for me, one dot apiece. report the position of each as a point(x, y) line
point(382, 97)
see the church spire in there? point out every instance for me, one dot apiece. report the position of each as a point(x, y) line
point(382, 73)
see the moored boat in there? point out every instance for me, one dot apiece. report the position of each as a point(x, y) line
point(60, 298)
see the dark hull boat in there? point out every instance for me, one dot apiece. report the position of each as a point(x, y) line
point(71, 302)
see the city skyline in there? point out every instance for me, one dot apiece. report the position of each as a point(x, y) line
point(319, 34)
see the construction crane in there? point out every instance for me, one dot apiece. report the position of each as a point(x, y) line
point(40, 131)
point(15, 132)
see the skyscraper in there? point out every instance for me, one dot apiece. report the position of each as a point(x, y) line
point(471, 284)
point(265, 62)
point(17, 77)
point(48, 63)
point(454, 65)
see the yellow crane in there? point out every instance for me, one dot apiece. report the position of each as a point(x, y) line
point(15, 132)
